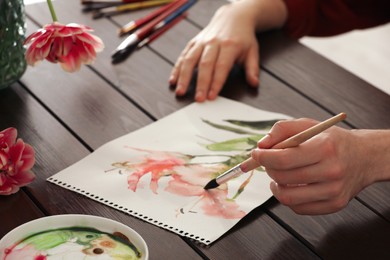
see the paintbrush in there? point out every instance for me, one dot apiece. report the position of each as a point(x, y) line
point(133, 25)
point(251, 164)
point(86, 2)
point(94, 7)
point(131, 42)
point(111, 10)
point(160, 31)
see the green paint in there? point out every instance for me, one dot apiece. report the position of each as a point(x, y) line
point(48, 239)
point(227, 128)
point(256, 125)
point(238, 144)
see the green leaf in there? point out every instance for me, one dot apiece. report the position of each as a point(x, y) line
point(238, 144)
point(227, 128)
point(257, 125)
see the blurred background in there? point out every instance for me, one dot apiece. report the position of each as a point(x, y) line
point(365, 53)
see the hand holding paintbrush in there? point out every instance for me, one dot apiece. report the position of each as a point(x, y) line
point(293, 141)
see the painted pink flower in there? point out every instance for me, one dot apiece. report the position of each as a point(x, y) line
point(71, 45)
point(16, 161)
point(190, 180)
point(157, 163)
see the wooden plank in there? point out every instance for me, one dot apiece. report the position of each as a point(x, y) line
point(85, 102)
point(15, 210)
point(336, 88)
point(377, 197)
point(56, 149)
point(254, 238)
point(353, 233)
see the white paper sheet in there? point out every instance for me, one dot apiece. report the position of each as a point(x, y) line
point(158, 173)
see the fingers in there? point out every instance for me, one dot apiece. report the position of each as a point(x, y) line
point(214, 59)
point(227, 56)
point(252, 66)
point(320, 198)
point(319, 172)
point(283, 130)
point(176, 68)
point(183, 70)
point(289, 158)
point(206, 70)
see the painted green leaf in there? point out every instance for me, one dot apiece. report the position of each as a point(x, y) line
point(238, 144)
point(236, 159)
point(257, 125)
point(227, 128)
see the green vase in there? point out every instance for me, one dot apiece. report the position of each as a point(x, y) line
point(12, 35)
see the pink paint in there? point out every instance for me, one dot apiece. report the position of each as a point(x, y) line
point(186, 180)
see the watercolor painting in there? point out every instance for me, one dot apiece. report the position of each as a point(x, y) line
point(75, 243)
point(187, 178)
point(158, 173)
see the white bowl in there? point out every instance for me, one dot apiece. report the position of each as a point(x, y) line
point(67, 221)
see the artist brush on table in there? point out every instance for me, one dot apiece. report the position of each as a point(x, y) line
point(112, 10)
point(159, 32)
point(131, 42)
point(94, 7)
point(133, 25)
point(251, 164)
point(174, 15)
point(86, 2)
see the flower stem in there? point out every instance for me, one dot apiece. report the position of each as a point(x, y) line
point(53, 13)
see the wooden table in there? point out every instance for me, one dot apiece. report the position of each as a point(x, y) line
point(67, 116)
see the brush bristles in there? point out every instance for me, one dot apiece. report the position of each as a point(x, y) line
point(211, 185)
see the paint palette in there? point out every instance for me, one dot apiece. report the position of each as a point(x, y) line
point(73, 237)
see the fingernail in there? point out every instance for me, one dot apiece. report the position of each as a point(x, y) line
point(179, 90)
point(255, 152)
point(199, 96)
point(171, 79)
point(272, 186)
point(211, 95)
point(264, 139)
point(249, 165)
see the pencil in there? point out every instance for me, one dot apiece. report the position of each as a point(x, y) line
point(293, 141)
point(160, 31)
point(107, 11)
point(133, 25)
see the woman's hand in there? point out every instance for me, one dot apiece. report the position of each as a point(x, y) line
point(323, 174)
point(229, 38)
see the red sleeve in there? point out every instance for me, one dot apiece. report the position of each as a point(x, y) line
point(331, 17)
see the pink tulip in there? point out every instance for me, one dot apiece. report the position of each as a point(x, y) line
point(71, 45)
point(16, 161)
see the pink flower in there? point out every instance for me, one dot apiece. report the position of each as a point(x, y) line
point(189, 181)
point(157, 163)
point(71, 45)
point(16, 161)
point(186, 179)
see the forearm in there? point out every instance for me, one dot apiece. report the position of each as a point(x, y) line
point(265, 14)
point(374, 146)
